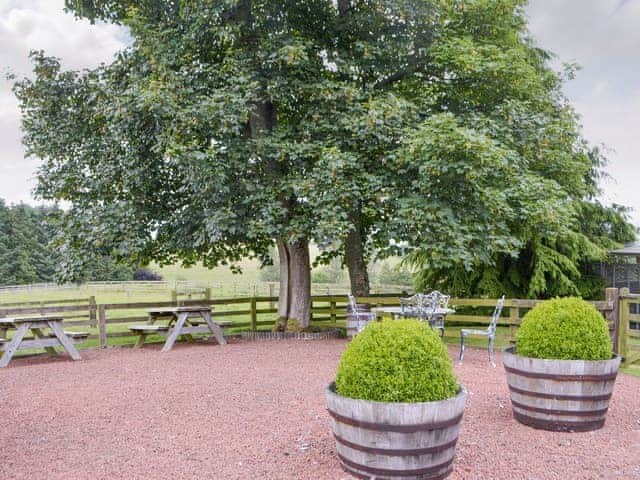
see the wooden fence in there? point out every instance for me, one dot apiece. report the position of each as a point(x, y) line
point(478, 311)
point(628, 340)
point(76, 311)
point(109, 321)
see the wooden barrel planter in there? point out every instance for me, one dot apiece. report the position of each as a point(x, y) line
point(410, 441)
point(560, 395)
point(352, 322)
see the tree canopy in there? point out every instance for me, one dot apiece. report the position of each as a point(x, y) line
point(365, 126)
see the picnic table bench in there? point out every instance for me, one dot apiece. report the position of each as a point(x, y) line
point(48, 341)
point(183, 321)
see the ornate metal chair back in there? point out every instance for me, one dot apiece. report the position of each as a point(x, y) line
point(353, 305)
point(424, 305)
point(410, 305)
point(496, 315)
point(435, 300)
point(362, 318)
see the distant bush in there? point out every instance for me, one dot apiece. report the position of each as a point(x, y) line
point(321, 276)
point(388, 275)
point(144, 274)
point(271, 273)
point(564, 329)
point(331, 273)
point(396, 361)
point(325, 275)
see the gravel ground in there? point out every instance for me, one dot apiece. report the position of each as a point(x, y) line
point(255, 410)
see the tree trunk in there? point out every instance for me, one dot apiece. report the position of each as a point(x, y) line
point(355, 259)
point(300, 285)
point(354, 256)
point(283, 297)
point(294, 303)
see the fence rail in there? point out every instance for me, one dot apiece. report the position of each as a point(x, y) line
point(44, 302)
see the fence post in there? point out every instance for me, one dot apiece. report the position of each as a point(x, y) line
point(92, 311)
point(612, 295)
point(332, 306)
point(254, 315)
point(174, 296)
point(102, 326)
point(272, 293)
point(514, 317)
point(207, 294)
point(623, 325)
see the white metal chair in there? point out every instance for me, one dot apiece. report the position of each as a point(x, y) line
point(411, 306)
point(425, 306)
point(490, 332)
point(362, 318)
point(433, 302)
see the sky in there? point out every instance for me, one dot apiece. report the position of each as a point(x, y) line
point(600, 35)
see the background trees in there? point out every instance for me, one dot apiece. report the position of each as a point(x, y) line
point(26, 255)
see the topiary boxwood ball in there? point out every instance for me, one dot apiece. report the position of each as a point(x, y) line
point(396, 361)
point(564, 329)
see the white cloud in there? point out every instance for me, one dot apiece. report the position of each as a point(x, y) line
point(590, 31)
point(32, 25)
point(602, 36)
point(614, 120)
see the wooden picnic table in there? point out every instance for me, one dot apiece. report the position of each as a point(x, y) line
point(181, 322)
point(40, 339)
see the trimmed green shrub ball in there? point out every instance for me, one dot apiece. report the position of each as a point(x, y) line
point(564, 329)
point(396, 361)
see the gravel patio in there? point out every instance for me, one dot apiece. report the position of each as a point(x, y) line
point(256, 410)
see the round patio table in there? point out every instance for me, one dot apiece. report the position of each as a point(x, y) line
point(396, 312)
point(436, 320)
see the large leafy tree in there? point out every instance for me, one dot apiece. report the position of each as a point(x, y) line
point(502, 90)
point(199, 142)
point(362, 125)
point(497, 186)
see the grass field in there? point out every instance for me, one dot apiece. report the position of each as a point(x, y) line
point(221, 280)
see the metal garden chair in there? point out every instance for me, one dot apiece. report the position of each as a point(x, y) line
point(490, 332)
point(433, 302)
point(362, 318)
point(411, 306)
point(425, 306)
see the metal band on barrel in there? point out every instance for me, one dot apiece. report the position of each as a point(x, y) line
point(425, 427)
point(394, 452)
point(558, 426)
point(563, 378)
point(566, 413)
point(553, 396)
point(398, 473)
